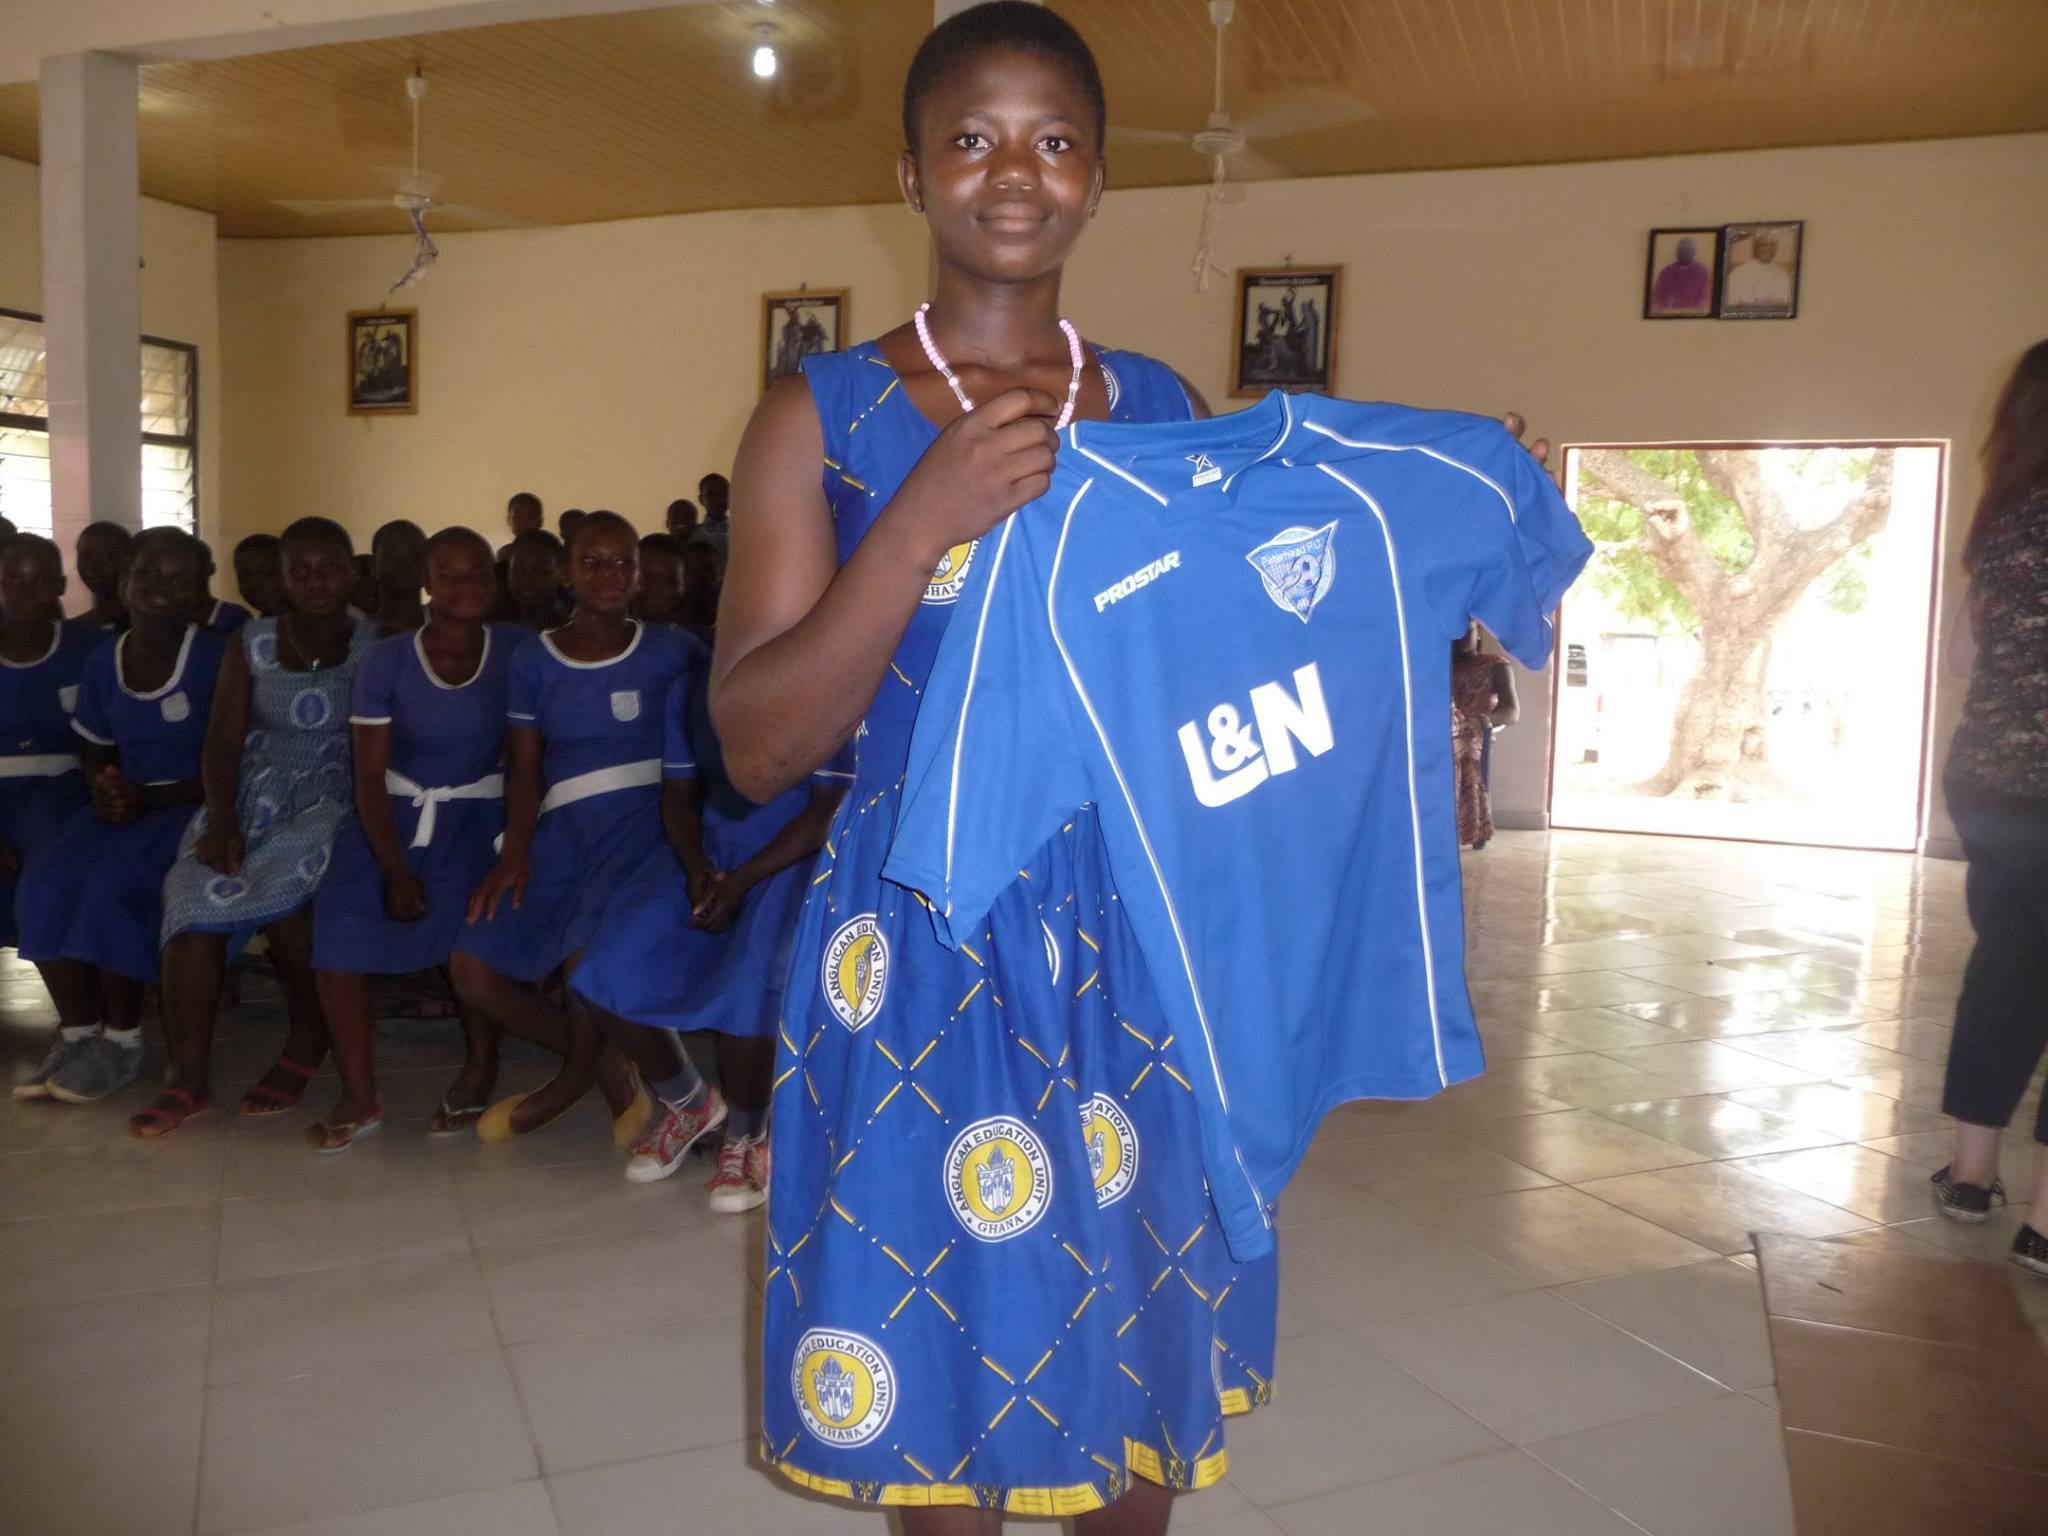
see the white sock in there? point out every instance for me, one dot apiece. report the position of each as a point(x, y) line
point(73, 1034)
point(126, 1037)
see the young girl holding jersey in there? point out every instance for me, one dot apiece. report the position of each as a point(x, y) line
point(42, 660)
point(982, 1159)
point(582, 811)
point(699, 938)
point(428, 720)
point(90, 902)
point(278, 790)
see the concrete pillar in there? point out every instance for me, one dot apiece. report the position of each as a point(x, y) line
point(92, 300)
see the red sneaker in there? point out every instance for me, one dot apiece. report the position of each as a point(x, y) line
point(669, 1138)
point(741, 1183)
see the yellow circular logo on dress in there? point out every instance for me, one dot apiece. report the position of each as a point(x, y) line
point(998, 1178)
point(856, 971)
point(844, 1385)
point(951, 575)
point(1112, 1143)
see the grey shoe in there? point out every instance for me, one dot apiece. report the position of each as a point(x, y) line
point(102, 1066)
point(61, 1052)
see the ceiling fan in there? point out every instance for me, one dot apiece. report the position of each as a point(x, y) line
point(1229, 142)
point(413, 196)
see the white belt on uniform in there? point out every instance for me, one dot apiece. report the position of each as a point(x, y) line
point(601, 781)
point(39, 765)
point(427, 799)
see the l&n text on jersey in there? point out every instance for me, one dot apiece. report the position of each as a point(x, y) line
point(1245, 756)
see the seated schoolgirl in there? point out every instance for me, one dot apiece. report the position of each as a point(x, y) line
point(660, 597)
point(428, 720)
point(533, 580)
point(90, 902)
point(258, 577)
point(102, 560)
point(217, 613)
point(700, 938)
point(582, 811)
point(278, 790)
point(42, 776)
point(398, 553)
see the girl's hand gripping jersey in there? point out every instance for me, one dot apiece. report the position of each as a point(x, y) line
point(1233, 636)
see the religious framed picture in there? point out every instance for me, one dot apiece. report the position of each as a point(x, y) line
point(796, 325)
point(383, 362)
point(1285, 334)
point(1680, 275)
point(1760, 269)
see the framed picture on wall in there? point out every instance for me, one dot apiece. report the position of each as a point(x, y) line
point(1681, 274)
point(1760, 277)
point(383, 362)
point(1285, 334)
point(796, 325)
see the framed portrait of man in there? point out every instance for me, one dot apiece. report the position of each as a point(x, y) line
point(383, 362)
point(1286, 330)
point(1760, 276)
point(1682, 274)
point(796, 325)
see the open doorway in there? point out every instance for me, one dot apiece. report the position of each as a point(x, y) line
point(1747, 655)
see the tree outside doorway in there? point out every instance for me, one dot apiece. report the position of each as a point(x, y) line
point(1729, 590)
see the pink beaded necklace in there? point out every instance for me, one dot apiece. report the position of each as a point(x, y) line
point(938, 361)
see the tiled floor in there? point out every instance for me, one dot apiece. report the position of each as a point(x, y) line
point(1529, 1306)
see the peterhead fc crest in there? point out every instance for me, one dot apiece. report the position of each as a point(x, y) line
point(998, 1178)
point(951, 575)
point(845, 1387)
point(856, 971)
point(1112, 1143)
point(1298, 566)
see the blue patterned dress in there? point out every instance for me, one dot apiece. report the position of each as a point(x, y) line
point(296, 791)
point(995, 1276)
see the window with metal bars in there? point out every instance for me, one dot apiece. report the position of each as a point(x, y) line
point(169, 420)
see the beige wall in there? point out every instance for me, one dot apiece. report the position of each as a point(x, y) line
point(611, 364)
point(180, 297)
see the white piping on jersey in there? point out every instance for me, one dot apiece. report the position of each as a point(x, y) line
point(1549, 634)
point(1436, 1033)
point(547, 638)
point(1286, 430)
point(1137, 821)
point(419, 649)
point(177, 670)
point(1074, 437)
point(967, 699)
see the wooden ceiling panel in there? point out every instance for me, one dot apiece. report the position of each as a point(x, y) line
point(650, 112)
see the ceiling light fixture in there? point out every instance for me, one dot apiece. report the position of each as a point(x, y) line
point(764, 52)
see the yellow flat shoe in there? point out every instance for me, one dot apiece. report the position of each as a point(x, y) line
point(630, 1123)
point(495, 1124)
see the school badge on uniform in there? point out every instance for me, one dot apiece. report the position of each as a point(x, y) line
point(856, 971)
point(998, 1178)
point(176, 707)
point(951, 575)
point(1298, 566)
point(1112, 1143)
point(844, 1386)
point(626, 704)
point(67, 698)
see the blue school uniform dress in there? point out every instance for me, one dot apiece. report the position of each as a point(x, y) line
point(601, 726)
point(296, 792)
point(647, 963)
point(94, 892)
point(41, 777)
point(447, 789)
point(995, 1276)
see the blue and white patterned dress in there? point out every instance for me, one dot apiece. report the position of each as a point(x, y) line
point(296, 791)
point(995, 1276)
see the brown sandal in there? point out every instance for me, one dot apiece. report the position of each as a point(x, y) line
point(264, 1099)
point(173, 1107)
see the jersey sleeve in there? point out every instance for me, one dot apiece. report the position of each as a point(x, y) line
point(370, 700)
point(522, 686)
point(679, 758)
point(995, 761)
point(1530, 549)
point(91, 719)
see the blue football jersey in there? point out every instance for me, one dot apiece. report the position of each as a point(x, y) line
point(1233, 636)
